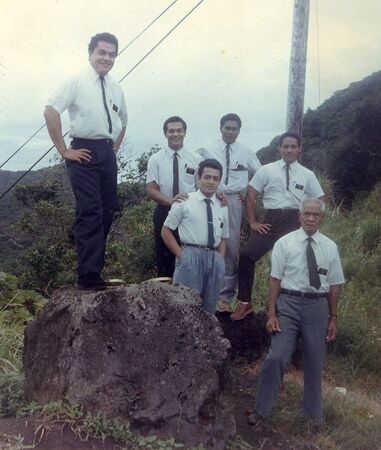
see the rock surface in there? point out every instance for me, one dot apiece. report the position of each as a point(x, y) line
point(144, 353)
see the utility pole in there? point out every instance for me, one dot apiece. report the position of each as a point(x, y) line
point(297, 76)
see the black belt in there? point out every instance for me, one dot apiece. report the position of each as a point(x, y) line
point(206, 247)
point(304, 294)
point(94, 141)
point(283, 210)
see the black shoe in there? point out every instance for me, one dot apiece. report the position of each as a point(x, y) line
point(254, 419)
point(91, 280)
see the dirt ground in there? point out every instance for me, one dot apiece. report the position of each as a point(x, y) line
point(21, 433)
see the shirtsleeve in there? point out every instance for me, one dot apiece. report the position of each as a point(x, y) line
point(258, 181)
point(63, 96)
point(253, 162)
point(123, 111)
point(152, 170)
point(278, 259)
point(314, 188)
point(174, 216)
point(335, 271)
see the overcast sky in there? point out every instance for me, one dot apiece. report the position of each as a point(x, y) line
point(228, 56)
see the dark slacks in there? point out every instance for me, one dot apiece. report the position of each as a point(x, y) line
point(282, 221)
point(94, 185)
point(165, 259)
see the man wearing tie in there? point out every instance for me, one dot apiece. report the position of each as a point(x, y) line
point(98, 120)
point(283, 185)
point(239, 163)
point(305, 280)
point(203, 229)
point(171, 175)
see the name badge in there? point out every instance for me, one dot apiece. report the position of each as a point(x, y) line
point(322, 271)
point(190, 170)
point(115, 108)
point(299, 186)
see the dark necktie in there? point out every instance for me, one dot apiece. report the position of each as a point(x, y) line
point(105, 104)
point(287, 176)
point(209, 215)
point(227, 163)
point(312, 265)
point(175, 186)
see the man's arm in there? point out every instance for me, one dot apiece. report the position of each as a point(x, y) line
point(251, 198)
point(119, 140)
point(170, 241)
point(333, 298)
point(272, 323)
point(154, 193)
point(53, 122)
point(222, 247)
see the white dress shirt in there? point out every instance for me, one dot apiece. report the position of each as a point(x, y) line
point(190, 217)
point(243, 163)
point(81, 95)
point(289, 261)
point(270, 180)
point(160, 170)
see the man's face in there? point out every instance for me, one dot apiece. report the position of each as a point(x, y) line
point(289, 149)
point(175, 135)
point(311, 218)
point(209, 180)
point(230, 131)
point(103, 57)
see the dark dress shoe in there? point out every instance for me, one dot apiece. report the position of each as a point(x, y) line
point(254, 419)
point(91, 280)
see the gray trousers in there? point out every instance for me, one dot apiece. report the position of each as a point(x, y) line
point(308, 319)
point(235, 211)
point(203, 270)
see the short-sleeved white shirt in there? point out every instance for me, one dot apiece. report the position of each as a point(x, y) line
point(160, 170)
point(270, 180)
point(81, 95)
point(190, 217)
point(289, 261)
point(243, 163)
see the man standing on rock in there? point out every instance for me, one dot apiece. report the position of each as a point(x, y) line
point(283, 185)
point(239, 163)
point(203, 229)
point(98, 120)
point(171, 175)
point(305, 280)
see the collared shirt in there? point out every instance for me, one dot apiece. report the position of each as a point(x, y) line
point(270, 180)
point(81, 95)
point(160, 170)
point(243, 163)
point(190, 217)
point(289, 261)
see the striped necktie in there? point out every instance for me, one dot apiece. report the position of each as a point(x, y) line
point(227, 149)
point(105, 103)
point(312, 265)
point(209, 216)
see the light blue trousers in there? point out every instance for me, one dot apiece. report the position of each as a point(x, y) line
point(308, 319)
point(203, 270)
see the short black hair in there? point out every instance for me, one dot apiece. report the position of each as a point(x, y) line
point(211, 163)
point(230, 116)
point(290, 134)
point(174, 119)
point(105, 37)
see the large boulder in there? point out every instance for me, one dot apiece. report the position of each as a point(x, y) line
point(147, 354)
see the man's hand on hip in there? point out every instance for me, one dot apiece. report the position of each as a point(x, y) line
point(80, 155)
point(261, 228)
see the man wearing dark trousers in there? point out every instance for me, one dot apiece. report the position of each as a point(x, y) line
point(171, 175)
point(98, 120)
point(305, 280)
point(283, 185)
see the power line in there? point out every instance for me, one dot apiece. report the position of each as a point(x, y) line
point(318, 49)
point(123, 49)
point(128, 73)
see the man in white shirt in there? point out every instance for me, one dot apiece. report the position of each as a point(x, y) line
point(305, 280)
point(98, 120)
point(239, 163)
point(203, 229)
point(283, 185)
point(171, 175)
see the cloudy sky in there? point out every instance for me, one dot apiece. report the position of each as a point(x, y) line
point(228, 56)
